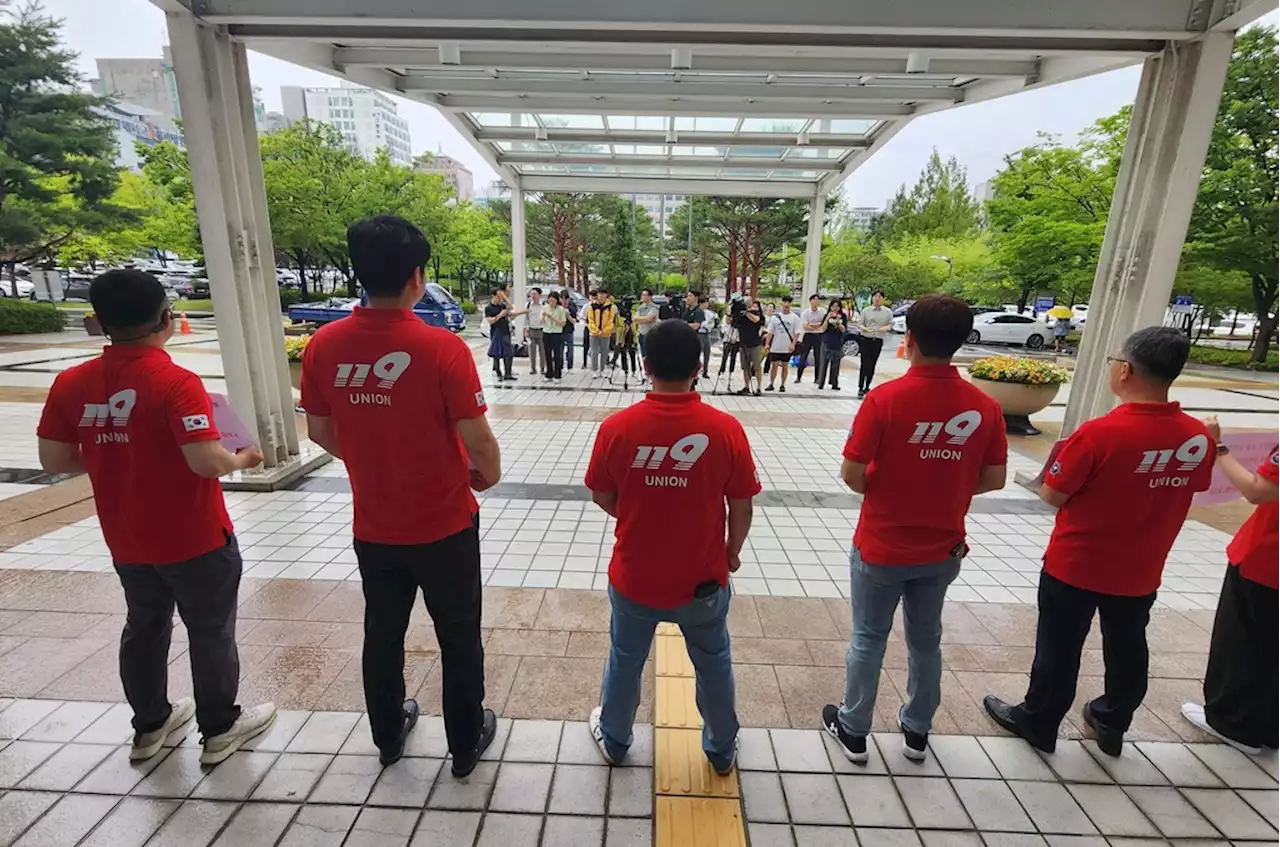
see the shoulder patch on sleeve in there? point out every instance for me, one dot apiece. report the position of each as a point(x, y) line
point(195, 423)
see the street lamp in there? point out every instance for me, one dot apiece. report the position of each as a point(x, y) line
point(948, 260)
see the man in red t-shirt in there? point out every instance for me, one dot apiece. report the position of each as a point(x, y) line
point(671, 455)
point(1241, 682)
point(401, 404)
point(143, 429)
point(919, 449)
point(1122, 484)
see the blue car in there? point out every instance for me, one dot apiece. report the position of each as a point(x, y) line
point(436, 308)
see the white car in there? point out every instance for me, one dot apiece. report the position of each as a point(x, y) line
point(25, 287)
point(1079, 314)
point(1003, 328)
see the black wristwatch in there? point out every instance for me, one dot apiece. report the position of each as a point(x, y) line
point(1223, 449)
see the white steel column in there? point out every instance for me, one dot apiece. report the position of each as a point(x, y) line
point(226, 174)
point(813, 244)
point(1164, 153)
point(518, 256)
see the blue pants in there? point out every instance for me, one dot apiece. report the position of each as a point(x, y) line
point(875, 591)
point(706, 634)
point(568, 347)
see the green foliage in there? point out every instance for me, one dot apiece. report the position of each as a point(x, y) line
point(773, 290)
point(621, 270)
point(1223, 357)
point(938, 205)
point(294, 296)
point(468, 307)
point(17, 316)
point(57, 171)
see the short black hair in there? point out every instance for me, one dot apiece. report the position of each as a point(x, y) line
point(385, 250)
point(940, 324)
point(702, 298)
point(673, 351)
point(602, 290)
point(497, 289)
point(593, 292)
point(877, 291)
point(127, 297)
point(551, 294)
point(815, 296)
point(693, 292)
point(787, 298)
point(648, 291)
point(536, 288)
point(1157, 352)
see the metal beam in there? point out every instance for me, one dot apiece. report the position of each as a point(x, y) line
point(702, 90)
point(764, 106)
point(659, 137)
point(855, 160)
point(1081, 18)
point(645, 185)
point(670, 161)
point(637, 62)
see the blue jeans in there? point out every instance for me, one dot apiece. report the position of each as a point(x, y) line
point(874, 592)
point(706, 634)
point(569, 338)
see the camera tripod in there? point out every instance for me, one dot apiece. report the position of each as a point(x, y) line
point(622, 351)
point(728, 354)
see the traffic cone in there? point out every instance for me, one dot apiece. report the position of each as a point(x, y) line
point(902, 349)
point(184, 325)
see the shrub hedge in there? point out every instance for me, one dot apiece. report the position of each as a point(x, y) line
point(1233, 358)
point(18, 316)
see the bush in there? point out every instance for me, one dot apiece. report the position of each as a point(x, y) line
point(1223, 357)
point(1020, 371)
point(468, 307)
point(18, 316)
point(293, 296)
point(295, 345)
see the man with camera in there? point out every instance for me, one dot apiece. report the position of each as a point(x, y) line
point(697, 464)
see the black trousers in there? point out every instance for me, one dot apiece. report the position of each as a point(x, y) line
point(869, 352)
point(1240, 684)
point(829, 363)
point(1066, 614)
point(621, 354)
point(553, 346)
point(810, 343)
point(447, 572)
point(206, 591)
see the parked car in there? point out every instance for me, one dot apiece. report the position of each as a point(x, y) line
point(75, 286)
point(436, 308)
point(1242, 327)
point(1003, 328)
point(26, 287)
point(1079, 314)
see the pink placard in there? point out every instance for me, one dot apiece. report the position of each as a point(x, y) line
point(235, 435)
point(1250, 450)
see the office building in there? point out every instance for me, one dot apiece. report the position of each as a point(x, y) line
point(148, 83)
point(134, 125)
point(860, 218)
point(652, 203)
point(367, 119)
point(456, 175)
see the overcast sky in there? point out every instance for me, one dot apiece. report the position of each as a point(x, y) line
point(978, 135)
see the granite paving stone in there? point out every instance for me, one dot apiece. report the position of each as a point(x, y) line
point(992, 806)
point(382, 828)
point(579, 790)
point(405, 784)
point(471, 792)
point(814, 798)
point(1170, 812)
point(1111, 810)
point(440, 828)
point(873, 801)
point(522, 787)
point(320, 826)
point(502, 830)
point(195, 824)
point(348, 779)
point(131, 823)
point(1052, 809)
point(932, 803)
point(1232, 816)
point(762, 796)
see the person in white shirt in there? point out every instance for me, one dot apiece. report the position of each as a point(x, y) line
point(782, 335)
point(704, 333)
point(811, 337)
point(875, 321)
point(533, 331)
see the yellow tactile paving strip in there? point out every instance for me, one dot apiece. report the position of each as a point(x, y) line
point(694, 806)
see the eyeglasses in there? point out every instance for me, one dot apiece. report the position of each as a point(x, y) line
point(1118, 360)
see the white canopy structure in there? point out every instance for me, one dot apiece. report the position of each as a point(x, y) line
point(720, 97)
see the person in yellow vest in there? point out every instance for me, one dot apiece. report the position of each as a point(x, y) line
point(602, 316)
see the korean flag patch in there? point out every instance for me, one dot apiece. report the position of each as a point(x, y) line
point(195, 423)
point(479, 399)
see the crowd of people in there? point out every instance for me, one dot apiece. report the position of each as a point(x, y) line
point(760, 337)
point(417, 445)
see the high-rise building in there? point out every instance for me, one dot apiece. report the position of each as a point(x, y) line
point(456, 175)
point(143, 82)
point(659, 211)
point(135, 125)
point(367, 119)
point(860, 218)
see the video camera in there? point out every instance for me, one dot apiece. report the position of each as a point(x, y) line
point(624, 307)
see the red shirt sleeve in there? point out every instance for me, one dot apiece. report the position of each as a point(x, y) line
point(190, 411)
point(744, 483)
point(1268, 469)
point(998, 445)
point(312, 384)
point(460, 383)
point(864, 436)
point(55, 423)
point(599, 476)
point(1075, 463)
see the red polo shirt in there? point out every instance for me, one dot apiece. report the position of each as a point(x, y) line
point(924, 439)
point(1130, 476)
point(673, 462)
point(1256, 547)
point(131, 410)
point(395, 389)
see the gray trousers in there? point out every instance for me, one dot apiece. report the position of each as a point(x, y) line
point(536, 353)
point(206, 592)
point(599, 352)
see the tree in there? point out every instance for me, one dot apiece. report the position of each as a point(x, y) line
point(57, 170)
point(1234, 225)
point(938, 205)
point(621, 269)
point(171, 225)
point(478, 247)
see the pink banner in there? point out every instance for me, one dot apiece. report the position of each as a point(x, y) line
point(235, 435)
point(1250, 450)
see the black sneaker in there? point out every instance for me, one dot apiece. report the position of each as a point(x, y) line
point(914, 745)
point(391, 755)
point(1002, 713)
point(770, 388)
point(488, 729)
point(1110, 740)
point(835, 388)
point(862, 392)
point(854, 747)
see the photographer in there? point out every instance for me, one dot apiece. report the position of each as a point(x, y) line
point(833, 327)
point(750, 326)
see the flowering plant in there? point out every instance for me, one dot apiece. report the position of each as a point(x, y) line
point(1020, 371)
point(294, 345)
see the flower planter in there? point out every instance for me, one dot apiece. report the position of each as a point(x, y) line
point(1018, 401)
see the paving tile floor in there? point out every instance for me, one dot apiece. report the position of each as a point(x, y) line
point(314, 779)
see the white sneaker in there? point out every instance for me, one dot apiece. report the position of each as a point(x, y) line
point(593, 724)
point(147, 744)
point(252, 722)
point(1194, 713)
